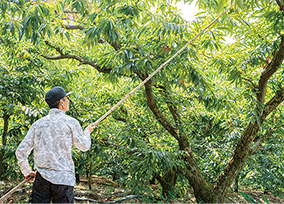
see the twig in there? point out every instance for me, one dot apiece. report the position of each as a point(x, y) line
point(67, 11)
point(250, 26)
point(254, 86)
point(206, 55)
point(137, 3)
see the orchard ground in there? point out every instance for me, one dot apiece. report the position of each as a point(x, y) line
point(106, 190)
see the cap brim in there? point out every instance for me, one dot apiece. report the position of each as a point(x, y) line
point(69, 93)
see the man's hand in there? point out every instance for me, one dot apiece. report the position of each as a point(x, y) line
point(91, 127)
point(32, 176)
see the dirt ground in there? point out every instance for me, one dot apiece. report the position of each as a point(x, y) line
point(107, 191)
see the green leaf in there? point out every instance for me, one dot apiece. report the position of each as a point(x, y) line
point(239, 3)
point(248, 197)
point(265, 199)
point(220, 6)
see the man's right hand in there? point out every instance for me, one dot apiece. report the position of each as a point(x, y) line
point(91, 127)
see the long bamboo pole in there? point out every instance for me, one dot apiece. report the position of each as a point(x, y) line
point(7, 195)
point(150, 76)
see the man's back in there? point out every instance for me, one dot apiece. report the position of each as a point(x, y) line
point(52, 138)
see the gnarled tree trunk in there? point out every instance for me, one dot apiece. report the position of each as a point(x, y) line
point(243, 149)
point(203, 191)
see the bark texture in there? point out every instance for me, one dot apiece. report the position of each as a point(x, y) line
point(168, 182)
point(4, 143)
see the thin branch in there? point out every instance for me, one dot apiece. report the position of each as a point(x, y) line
point(116, 117)
point(206, 55)
point(107, 143)
point(136, 3)
point(68, 11)
point(254, 86)
point(152, 104)
point(74, 27)
point(250, 26)
point(72, 104)
point(115, 45)
point(257, 146)
point(56, 48)
point(170, 104)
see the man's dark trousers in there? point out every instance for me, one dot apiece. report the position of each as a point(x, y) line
point(45, 191)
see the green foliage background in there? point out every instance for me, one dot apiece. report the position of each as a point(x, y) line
point(211, 83)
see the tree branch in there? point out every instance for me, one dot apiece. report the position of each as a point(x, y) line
point(68, 11)
point(254, 86)
point(116, 117)
point(173, 109)
point(269, 70)
point(151, 102)
point(115, 45)
point(261, 140)
point(242, 150)
point(250, 26)
point(78, 58)
point(192, 173)
point(136, 3)
point(56, 48)
point(272, 104)
point(243, 146)
point(206, 55)
point(280, 5)
point(113, 4)
point(73, 27)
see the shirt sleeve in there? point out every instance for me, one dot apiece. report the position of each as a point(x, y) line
point(81, 140)
point(24, 150)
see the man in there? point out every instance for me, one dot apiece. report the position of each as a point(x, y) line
point(51, 138)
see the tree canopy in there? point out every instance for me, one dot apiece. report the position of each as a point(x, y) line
point(212, 115)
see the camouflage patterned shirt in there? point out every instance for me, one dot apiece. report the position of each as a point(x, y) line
point(51, 138)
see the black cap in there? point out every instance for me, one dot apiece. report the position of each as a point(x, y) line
point(55, 94)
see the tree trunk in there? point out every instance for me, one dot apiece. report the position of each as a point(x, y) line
point(168, 182)
point(203, 191)
point(90, 176)
point(77, 177)
point(3, 166)
point(237, 183)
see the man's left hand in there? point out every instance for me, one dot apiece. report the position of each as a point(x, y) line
point(32, 176)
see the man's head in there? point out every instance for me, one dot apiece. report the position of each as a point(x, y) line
point(57, 98)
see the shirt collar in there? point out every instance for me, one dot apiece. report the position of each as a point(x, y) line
point(56, 111)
